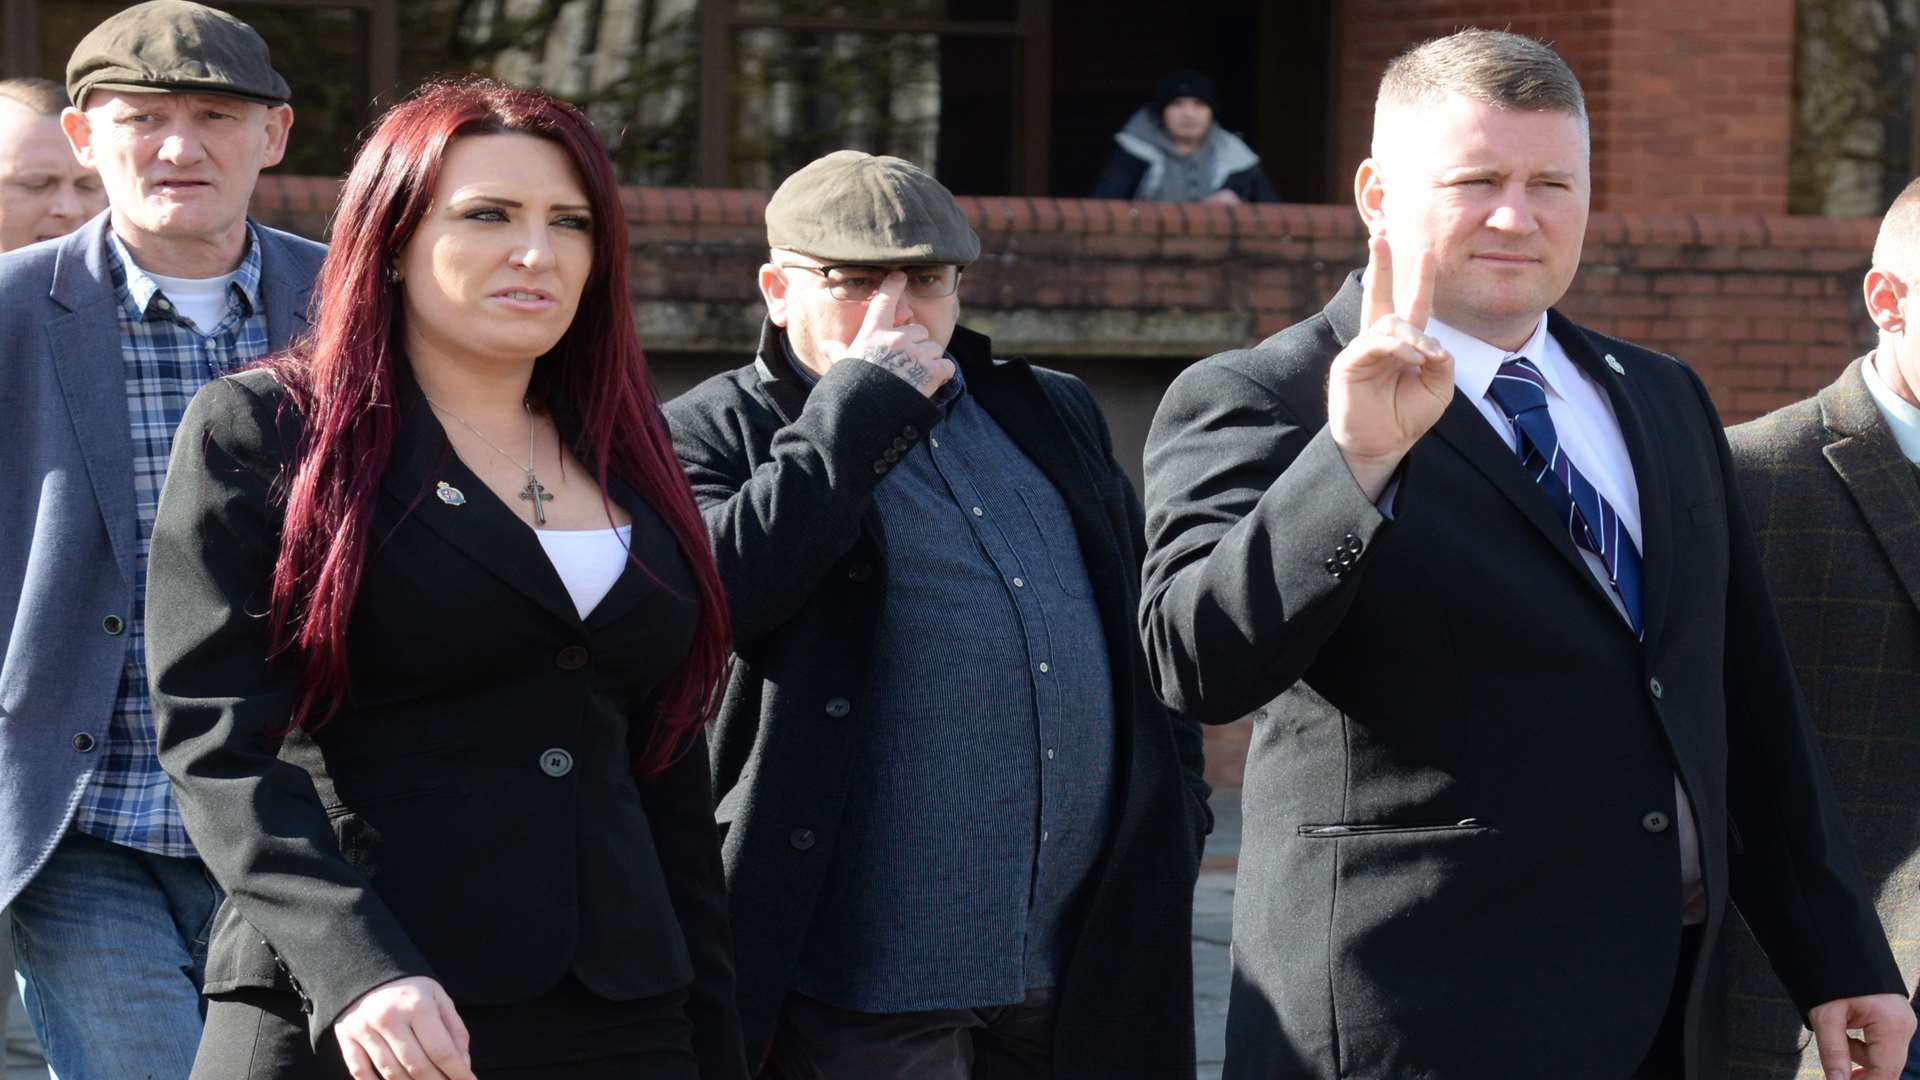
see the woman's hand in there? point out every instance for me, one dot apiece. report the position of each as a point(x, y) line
point(406, 1029)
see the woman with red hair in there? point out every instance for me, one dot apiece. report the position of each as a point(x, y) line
point(434, 632)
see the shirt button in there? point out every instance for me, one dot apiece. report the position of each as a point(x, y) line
point(1654, 688)
point(1044, 668)
point(112, 624)
point(1655, 821)
point(1019, 584)
point(838, 707)
point(556, 762)
point(1049, 753)
point(83, 742)
point(934, 441)
point(571, 658)
point(1045, 835)
point(801, 839)
point(977, 512)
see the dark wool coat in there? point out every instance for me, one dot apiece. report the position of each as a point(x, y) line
point(785, 474)
point(1836, 511)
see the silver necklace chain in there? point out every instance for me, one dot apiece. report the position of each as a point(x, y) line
point(535, 492)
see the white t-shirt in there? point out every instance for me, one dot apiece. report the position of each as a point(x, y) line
point(204, 300)
point(588, 561)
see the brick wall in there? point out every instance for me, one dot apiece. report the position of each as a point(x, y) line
point(1767, 309)
point(1690, 103)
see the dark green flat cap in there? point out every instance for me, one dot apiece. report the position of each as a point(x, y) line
point(858, 208)
point(174, 47)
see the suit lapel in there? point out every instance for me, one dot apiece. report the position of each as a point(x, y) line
point(284, 289)
point(483, 527)
point(1879, 477)
point(85, 348)
point(1634, 408)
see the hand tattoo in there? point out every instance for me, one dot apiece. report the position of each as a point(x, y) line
point(901, 364)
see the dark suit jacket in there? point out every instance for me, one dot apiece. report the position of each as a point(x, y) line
point(69, 530)
point(471, 813)
point(785, 475)
point(1458, 857)
point(1836, 511)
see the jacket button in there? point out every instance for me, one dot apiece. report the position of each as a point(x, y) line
point(901, 445)
point(838, 707)
point(802, 839)
point(83, 742)
point(113, 624)
point(571, 658)
point(1655, 821)
point(859, 572)
point(1654, 688)
point(909, 432)
point(879, 468)
point(890, 456)
point(556, 762)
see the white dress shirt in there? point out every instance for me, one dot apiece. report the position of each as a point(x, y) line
point(1590, 438)
point(1901, 416)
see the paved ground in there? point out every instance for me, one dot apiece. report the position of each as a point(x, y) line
point(1212, 928)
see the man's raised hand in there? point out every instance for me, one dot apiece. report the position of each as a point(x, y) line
point(1392, 382)
point(906, 351)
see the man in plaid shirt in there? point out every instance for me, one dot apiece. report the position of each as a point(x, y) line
point(105, 335)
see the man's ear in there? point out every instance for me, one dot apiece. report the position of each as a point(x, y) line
point(1370, 196)
point(773, 289)
point(279, 124)
point(79, 132)
point(1884, 294)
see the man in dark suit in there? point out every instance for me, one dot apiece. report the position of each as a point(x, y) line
point(105, 334)
point(1832, 487)
point(960, 834)
point(1524, 718)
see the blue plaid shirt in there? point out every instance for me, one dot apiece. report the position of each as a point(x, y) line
point(128, 800)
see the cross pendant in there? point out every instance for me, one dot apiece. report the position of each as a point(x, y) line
point(536, 493)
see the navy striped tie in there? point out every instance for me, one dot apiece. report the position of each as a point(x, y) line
point(1521, 392)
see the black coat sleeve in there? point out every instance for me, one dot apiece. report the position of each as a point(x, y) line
point(1119, 178)
point(1245, 506)
point(781, 513)
point(221, 706)
point(1795, 877)
point(679, 805)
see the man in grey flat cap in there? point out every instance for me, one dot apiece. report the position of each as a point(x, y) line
point(109, 333)
point(960, 835)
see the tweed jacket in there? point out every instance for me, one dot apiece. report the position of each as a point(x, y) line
point(785, 475)
point(68, 535)
point(1836, 511)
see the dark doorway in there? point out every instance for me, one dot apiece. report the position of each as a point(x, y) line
point(1274, 64)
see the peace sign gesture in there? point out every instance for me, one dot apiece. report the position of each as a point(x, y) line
point(1392, 382)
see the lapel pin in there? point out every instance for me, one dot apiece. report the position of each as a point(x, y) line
point(449, 494)
point(1615, 365)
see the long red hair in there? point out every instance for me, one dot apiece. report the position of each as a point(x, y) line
point(342, 378)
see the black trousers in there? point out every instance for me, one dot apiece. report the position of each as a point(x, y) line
point(817, 1041)
point(568, 1033)
point(1667, 1058)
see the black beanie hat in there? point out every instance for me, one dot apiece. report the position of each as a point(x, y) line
point(1179, 84)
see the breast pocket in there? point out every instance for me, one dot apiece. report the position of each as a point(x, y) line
point(1060, 542)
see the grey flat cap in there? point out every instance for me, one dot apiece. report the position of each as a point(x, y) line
point(174, 47)
point(855, 207)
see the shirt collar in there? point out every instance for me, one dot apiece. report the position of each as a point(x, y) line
point(1475, 362)
point(138, 290)
point(1903, 419)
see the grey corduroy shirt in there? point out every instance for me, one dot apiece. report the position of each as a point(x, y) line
point(986, 778)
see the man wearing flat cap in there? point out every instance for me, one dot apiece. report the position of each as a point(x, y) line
point(960, 835)
point(108, 333)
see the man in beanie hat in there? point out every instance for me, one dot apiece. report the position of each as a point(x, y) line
point(110, 331)
point(960, 836)
point(1172, 151)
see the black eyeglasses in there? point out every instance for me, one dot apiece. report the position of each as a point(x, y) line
point(857, 284)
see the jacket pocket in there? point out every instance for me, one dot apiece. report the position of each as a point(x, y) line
point(1335, 831)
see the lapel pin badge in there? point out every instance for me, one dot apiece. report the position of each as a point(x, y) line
point(449, 494)
point(1615, 365)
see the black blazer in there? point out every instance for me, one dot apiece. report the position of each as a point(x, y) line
point(1459, 857)
point(785, 474)
point(471, 813)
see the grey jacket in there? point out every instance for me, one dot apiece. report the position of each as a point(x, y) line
point(67, 536)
